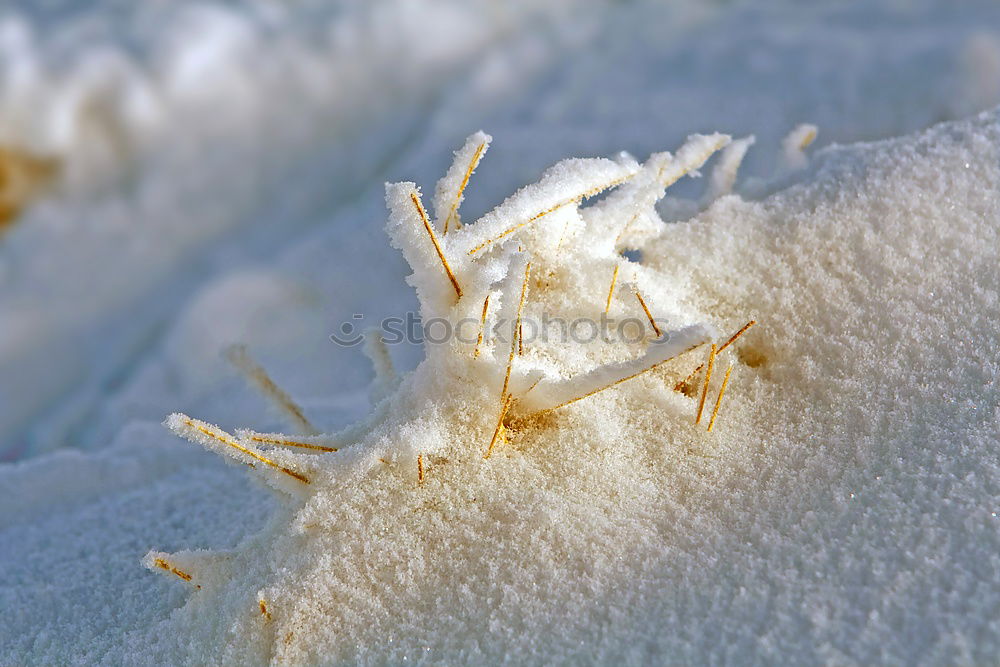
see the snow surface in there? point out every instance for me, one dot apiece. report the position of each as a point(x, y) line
point(844, 508)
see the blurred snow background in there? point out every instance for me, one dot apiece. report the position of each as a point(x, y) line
point(220, 172)
point(220, 165)
point(193, 140)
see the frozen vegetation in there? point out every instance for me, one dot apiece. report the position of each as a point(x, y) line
point(187, 221)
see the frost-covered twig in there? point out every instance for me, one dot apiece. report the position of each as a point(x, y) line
point(567, 182)
point(724, 173)
point(794, 145)
point(610, 229)
point(213, 438)
point(450, 189)
point(554, 395)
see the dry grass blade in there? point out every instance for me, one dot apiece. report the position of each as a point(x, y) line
point(473, 163)
point(285, 442)
point(708, 378)
point(437, 246)
point(219, 435)
point(649, 315)
point(718, 401)
point(611, 290)
point(505, 401)
point(482, 327)
point(255, 374)
point(166, 566)
point(680, 386)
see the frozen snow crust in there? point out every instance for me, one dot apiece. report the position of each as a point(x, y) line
point(842, 510)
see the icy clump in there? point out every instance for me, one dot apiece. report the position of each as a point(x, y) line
point(467, 520)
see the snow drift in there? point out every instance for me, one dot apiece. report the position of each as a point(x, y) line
point(833, 493)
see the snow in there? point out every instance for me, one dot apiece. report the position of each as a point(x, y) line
point(842, 509)
point(231, 130)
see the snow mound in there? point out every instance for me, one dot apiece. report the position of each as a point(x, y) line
point(536, 499)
